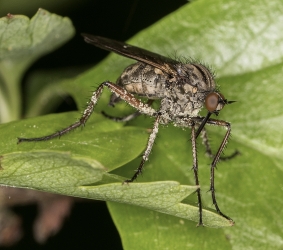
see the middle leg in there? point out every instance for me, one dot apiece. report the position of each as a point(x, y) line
point(147, 151)
point(208, 150)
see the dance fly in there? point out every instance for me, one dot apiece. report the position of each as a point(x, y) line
point(183, 90)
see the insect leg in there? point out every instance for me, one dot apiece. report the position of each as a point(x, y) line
point(131, 99)
point(86, 114)
point(127, 117)
point(205, 142)
point(195, 169)
point(216, 159)
point(124, 95)
point(217, 156)
point(147, 151)
point(208, 150)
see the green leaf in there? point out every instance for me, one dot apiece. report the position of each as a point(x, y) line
point(45, 92)
point(242, 41)
point(61, 173)
point(97, 140)
point(63, 166)
point(77, 165)
point(22, 41)
point(86, 152)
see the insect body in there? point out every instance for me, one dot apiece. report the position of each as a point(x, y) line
point(182, 94)
point(183, 90)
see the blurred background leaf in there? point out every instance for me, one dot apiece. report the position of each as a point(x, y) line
point(24, 40)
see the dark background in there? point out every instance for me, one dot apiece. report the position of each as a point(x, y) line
point(118, 20)
point(90, 225)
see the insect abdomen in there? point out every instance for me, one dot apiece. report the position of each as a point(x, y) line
point(143, 80)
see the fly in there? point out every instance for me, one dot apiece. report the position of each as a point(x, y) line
point(183, 89)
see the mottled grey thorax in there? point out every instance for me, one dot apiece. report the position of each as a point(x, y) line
point(187, 92)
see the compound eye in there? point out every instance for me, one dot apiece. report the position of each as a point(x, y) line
point(211, 102)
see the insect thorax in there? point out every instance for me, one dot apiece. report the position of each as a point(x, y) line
point(182, 94)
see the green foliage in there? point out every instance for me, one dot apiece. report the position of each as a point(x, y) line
point(242, 41)
point(22, 41)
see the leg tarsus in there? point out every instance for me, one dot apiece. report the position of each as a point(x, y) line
point(229, 157)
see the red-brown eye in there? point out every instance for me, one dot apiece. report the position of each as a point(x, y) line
point(211, 102)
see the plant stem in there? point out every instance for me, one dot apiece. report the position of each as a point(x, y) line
point(10, 96)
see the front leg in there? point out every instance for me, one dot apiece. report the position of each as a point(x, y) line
point(195, 169)
point(119, 91)
point(216, 157)
point(216, 160)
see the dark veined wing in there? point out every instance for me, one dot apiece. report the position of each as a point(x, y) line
point(161, 62)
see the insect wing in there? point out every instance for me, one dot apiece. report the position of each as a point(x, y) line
point(161, 62)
